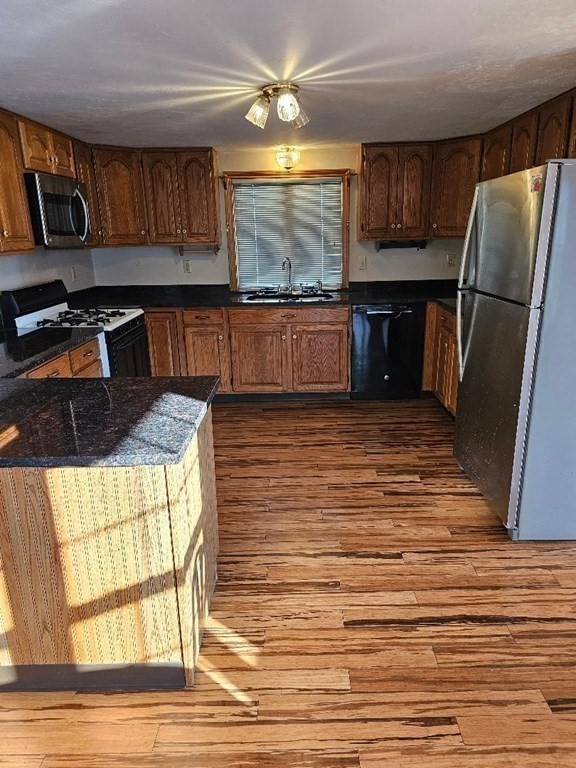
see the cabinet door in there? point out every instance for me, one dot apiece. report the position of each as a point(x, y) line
point(121, 198)
point(198, 197)
point(163, 343)
point(15, 227)
point(414, 178)
point(320, 358)
point(456, 172)
point(207, 353)
point(444, 362)
point(496, 154)
point(378, 192)
point(85, 174)
point(161, 187)
point(62, 155)
point(36, 147)
point(572, 133)
point(553, 130)
point(260, 358)
point(524, 135)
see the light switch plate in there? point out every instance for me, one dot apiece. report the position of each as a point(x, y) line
point(187, 266)
point(362, 261)
point(450, 259)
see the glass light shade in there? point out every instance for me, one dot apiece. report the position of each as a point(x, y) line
point(258, 112)
point(301, 119)
point(287, 158)
point(288, 107)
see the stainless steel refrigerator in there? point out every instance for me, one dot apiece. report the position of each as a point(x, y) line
point(516, 418)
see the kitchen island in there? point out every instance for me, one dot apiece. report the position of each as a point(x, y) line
point(108, 531)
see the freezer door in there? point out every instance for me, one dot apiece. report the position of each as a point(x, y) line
point(494, 337)
point(503, 247)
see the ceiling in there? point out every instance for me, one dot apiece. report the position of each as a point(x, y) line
point(184, 72)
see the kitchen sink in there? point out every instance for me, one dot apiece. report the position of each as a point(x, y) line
point(274, 298)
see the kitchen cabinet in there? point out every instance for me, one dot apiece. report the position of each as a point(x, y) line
point(496, 153)
point(455, 175)
point(120, 196)
point(80, 363)
point(572, 132)
point(181, 196)
point(524, 138)
point(206, 344)
point(295, 350)
point(16, 233)
point(85, 174)
point(162, 327)
point(46, 151)
point(440, 356)
point(553, 130)
point(395, 191)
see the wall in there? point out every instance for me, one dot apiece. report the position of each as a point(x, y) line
point(163, 264)
point(41, 266)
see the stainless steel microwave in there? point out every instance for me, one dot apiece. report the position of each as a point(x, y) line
point(59, 210)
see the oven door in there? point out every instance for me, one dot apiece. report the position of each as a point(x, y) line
point(128, 353)
point(59, 211)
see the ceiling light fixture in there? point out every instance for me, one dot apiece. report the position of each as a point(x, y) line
point(287, 157)
point(288, 105)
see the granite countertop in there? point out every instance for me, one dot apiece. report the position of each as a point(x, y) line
point(21, 353)
point(100, 422)
point(221, 296)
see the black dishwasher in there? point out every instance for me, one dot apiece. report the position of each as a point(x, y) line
point(387, 350)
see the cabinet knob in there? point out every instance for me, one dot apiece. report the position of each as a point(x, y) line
point(393, 226)
point(183, 231)
point(434, 226)
point(5, 233)
point(294, 336)
point(399, 226)
point(142, 231)
point(177, 231)
point(283, 337)
point(221, 338)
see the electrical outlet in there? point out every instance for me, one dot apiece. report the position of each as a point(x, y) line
point(450, 259)
point(73, 274)
point(362, 261)
point(187, 266)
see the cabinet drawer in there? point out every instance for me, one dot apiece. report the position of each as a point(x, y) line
point(92, 371)
point(58, 368)
point(84, 355)
point(283, 315)
point(203, 316)
point(447, 320)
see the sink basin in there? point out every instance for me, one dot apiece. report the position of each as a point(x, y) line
point(274, 298)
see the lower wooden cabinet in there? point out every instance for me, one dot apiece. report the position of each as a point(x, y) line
point(320, 357)
point(260, 358)
point(206, 346)
point(162, 326)
point(82, 362)
point(440, 356)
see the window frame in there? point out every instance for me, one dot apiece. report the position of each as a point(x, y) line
point(262, 176)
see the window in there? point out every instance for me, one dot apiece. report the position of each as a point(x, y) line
point(304, 217)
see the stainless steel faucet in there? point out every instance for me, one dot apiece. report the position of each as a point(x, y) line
point(287, 261)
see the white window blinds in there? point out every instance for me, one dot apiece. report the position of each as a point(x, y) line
point(299, 219)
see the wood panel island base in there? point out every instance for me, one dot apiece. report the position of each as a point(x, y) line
point(108, 532)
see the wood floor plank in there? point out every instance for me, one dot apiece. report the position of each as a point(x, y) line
point(264, 759)
point(512, 730)
point(36, 738)
point(532, 756)
point(238, 683)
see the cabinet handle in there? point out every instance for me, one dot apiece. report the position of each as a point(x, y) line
point(53, 374)
point(201, 317)
point(89, 353)
point(434, 226)
point(289, 316)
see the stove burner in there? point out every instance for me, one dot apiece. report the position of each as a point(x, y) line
point(78, 317)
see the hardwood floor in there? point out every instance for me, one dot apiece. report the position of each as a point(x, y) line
point(370, 612)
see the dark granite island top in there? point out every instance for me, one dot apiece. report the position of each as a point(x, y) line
point(100, 422)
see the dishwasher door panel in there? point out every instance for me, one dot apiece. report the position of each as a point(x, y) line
point(387, 351)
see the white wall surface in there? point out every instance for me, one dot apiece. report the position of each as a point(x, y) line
point(42, 266)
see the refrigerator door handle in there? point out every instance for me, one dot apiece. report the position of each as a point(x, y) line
point(463, 277)
point(459, 336)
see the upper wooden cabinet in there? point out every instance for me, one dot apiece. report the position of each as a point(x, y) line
point(120, 196)
point(85, 174)
point(553, 129)
point(496, 153)
point(456, 173)
point(395, 191)
point(46, 151)
point(15, 227)
point(524, 138)
point(181, 196)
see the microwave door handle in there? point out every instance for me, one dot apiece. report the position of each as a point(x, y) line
point(84, 236)
point(463, 277)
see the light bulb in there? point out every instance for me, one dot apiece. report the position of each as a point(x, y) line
point(287, 157)
point(288, 107)
point(258, 112)
point(301, 119)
